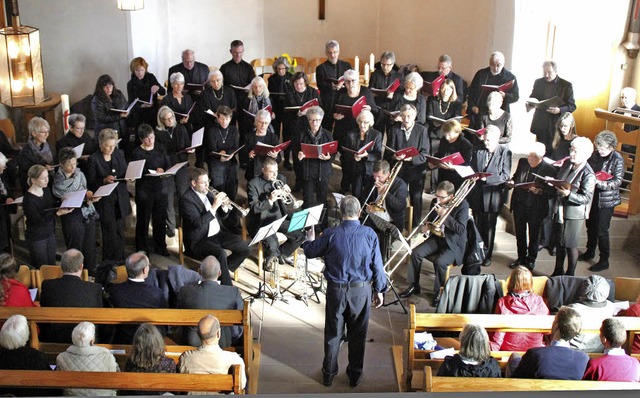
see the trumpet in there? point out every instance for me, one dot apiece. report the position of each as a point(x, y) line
point(229, 202)
point(285, 194)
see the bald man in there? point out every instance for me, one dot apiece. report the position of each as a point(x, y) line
point(209, 358)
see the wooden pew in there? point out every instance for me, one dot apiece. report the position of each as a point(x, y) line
point(416, 360)
point(481, 384)
point(124, 380)
point(155, 316)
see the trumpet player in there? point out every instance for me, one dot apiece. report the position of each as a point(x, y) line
point(204, 235)
point(391, 195)
point(267, 205)
point(449, 248)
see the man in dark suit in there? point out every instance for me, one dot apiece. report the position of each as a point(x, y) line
point(449, 248)
point(237, 72)
point(444, 68)
point(267, 206)
point(394, 204)
point(410, 134)
point(193, 72)
point(332, 68)
point(544, 120)
point(203, 233)
point(529, 204)
point(559, 360)
point(68, 291)
point(209, 294)
point(488, 195)
point(135, 293)
point(495, 74)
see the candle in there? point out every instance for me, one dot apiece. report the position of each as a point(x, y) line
point(372, 61)
point(314, 77)
point(366, 73)
point(64, 101)
point(356, 64)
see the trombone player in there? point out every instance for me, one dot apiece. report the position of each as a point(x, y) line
point(268, 195)
point(387, 199)
point(452, 223)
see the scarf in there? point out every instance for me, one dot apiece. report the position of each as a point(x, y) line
point(64, 185)
point(44, 154)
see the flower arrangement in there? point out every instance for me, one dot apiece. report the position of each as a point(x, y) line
point(291, 60)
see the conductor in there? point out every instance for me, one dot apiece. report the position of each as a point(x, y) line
point(353, 268)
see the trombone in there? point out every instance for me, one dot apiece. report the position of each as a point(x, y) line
point(378, 205)
point(242, 210)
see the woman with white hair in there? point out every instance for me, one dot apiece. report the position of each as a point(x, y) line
point(348, 96)
point(84, 356)
point(474, 358)
point(573, 204)
point(262, 133)
point(498, 117)
point(409, 93)
point(362, 163)
point(178, 100)
point(15, 354)
point(215, 94)
point(257, 99)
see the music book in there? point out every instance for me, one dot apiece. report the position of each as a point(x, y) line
point(131, 105)
point(73, 200)
point(105, 190)
point(393, 114)
point(454, 159)
point(305, 106)
point(313, 151)
point(544, 104)
point(503, 87)
point(360, 151)
point(227, 154)
point(527, 185)
point(188, 112)
point(253, 115)
point(172, 171)
point(196, 140)
point(558, 162)
point(351, 111)
point(336, 81)
point(78, 150)
point(442, 121)
point(197, 86)
point(245, 88)
point(210, 112)
point(480, 132)
point(16, 201)
point(603, 176)
point(556, 183)
point(134, 170)
point(261, 149)
point(433, 87)
point(150, 102)
point(468, 172)
point(407, 152)
point(384, 91)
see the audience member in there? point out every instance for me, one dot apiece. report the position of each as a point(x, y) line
point(68, 291)
point(13, 293)
point(634, 310)
point(474, 358)
point(615, 364)
point(84, 356)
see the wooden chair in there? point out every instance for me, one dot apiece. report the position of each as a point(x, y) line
point(25, 275)
point(301, 64)
point(312, 64)
point(121, 274)
point(9, 130)
point(261, 63)
point(627, 289)
point(351, 61)
point(53, 272)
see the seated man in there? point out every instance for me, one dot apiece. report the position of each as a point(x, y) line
point(209, 358)
point(204, 235)
point(449, 248)
point(615, 365)
point(209, 294)
point(267, 206)
point(135, 293)
point(393, 205)
point(558, 361)
point(68, 291)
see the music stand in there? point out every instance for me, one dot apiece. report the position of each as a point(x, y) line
point(265, 232)
point(300, 220)
point(393, 232)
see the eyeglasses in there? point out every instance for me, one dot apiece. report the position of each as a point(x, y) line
point(349, 80)
point(386, 64)
point(442, 197)
point(316, 120)
point(43, 132)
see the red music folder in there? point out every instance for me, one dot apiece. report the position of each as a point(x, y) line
point(360, 151)
point(603, 176)
point(556, 183)
point(454, 159)
point(262, 149)
point(313, 151)
point(432, 88)
point(305, 106)
point(351, 111)
point(480, 132)
point(503, 87)
point(407, 152)
point(384, 91)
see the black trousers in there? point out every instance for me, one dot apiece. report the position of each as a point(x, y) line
point(415, 197)
point(598, 231)
point(486, 223)
point(294, 240)
point(81, 236)
point(151, 206)
point(432, 245)
point(215, 246)
point(348, 306)
point(527, 220)
point(112, 238)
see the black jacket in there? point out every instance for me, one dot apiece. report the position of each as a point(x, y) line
point(104, 117)
point(262, 213)
point(395, 201)
point(314, 169)
point(324, 72)
point(116, 205)
point(195, 219)
point(544, 122)
point(488, 196)
point(414, 170)
point(607, 193)
point(577, 205)
point(455, 229)
point(524, 201)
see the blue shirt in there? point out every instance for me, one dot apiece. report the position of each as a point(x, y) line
point(351, 254)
